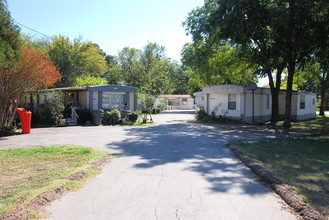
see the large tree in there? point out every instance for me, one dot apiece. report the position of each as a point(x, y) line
point(148, 69)
point(218, 64)
point(33, 71)
point(113, 74)
point(10, 42)
point(75, 58)
point(275, 34)
point(10, 53)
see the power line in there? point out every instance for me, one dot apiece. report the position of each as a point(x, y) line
point(32, 29)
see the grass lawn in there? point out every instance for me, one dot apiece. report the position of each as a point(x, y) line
point(321, 123)
point(27, 173)
point(301, 163)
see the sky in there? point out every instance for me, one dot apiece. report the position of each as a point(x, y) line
point(112, 24)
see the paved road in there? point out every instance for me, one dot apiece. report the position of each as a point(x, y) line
point(177, 169)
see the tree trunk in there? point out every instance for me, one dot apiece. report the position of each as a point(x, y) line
point(275, 100)
point(275, 90)
point(287, 114)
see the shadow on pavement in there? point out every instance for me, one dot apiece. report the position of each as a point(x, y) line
point(201, 148)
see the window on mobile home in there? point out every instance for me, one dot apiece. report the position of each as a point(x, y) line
point(232, 102)
point(302, 102)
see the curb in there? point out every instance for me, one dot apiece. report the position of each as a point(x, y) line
point(290, 196)
point(47, 197)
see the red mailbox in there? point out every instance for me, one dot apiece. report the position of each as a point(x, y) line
point(25, 117)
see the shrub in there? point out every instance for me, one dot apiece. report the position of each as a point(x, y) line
point(111, 117)
point(84, 115)
point(8, 130)
point(133, 117)
point(163, 104)
point(201, 114)
point(51, 111)
point(147, 103)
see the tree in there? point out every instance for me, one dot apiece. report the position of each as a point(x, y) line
point(275, 34)
point(33, 71)
point(89, 81)
point(10, 43)
point(301, 29)
point(10, 53)
point(218, 64)
point(179, 78)
point(322, 75)
point(315, 77)
point(130, 66)
point(113, 75)
point(75, 58)
point(148, 69)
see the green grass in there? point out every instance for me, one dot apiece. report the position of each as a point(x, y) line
point(301, 163)
point(27, 173)
point(320, 123)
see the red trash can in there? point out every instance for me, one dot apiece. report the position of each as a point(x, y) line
point(25, 118)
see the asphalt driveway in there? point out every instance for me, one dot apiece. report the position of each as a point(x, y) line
point(176, 169)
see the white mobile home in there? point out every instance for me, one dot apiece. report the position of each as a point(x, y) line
point(199, 99)
point(179, 102)
point(236, 102)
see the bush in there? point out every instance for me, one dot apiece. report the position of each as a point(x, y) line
point(163, 104)
point(8, 130)
point(84, 115)
point(147, 103)
point(111, 117)
point(51, 111)
point(133, 117)
point(201, 115)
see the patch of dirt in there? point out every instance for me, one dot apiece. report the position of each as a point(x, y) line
point(290, 196)
point(39, 203)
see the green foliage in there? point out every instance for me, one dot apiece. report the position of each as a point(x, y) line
point(111, 117)
point(201, 114)
point(51, 110)
point(150, 70)
point(84, 115)
point(114, 74)
point(75, 58)
point(89, 81)
point(221, 65)
point(163, 104)
point(271, 34)
point(7, 130)
point(148, 102)
point(10, 54)
point(10, 42)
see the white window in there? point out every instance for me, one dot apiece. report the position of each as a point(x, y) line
point(106, 100)
point(113, 101)
point(232, 102)
point(302, 102)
